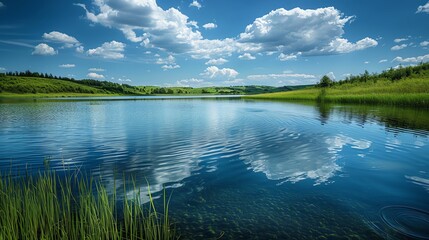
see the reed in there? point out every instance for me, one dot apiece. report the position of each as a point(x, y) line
point(47, 206)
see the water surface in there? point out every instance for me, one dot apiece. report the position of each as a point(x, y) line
point(241, 169)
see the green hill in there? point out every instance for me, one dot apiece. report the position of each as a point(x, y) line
point(44, 85)
point(404, 86)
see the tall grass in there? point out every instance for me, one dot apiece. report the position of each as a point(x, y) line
point(407, 92)
point(49, 207)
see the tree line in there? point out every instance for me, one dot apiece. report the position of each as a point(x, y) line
point(28, 73)
point(391, 74)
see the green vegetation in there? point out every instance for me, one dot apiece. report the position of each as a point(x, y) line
point(29, 84)
point(404, 86)
point(48, 207)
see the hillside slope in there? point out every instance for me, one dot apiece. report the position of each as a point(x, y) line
point(404, 86)
point(33, 84)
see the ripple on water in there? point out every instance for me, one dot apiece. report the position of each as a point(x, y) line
point(408, 221)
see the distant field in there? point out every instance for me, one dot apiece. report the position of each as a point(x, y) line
point(37, 86)
point(377, 89)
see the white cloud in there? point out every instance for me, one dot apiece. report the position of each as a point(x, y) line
point(219, 61)
point(190, 82)
point(237, 81)
point(398, 47)
point(168, 60)
point(308, 31)
point(80, 49)
point(423, 8)
point(67, 65)
point(109, 50)
point(331, 75)
point(418, 59)
point(1, 4)
point(281, 76)
point(44, 49)
point(215, 73)
point(59, 37)
point(247, 56)
point(96, 70)
point(311, 32)
point(168, 63)
point(209, 26)
point(124, 80)
point(382, 61)
point(195, 4)
point(287, 57)
point(194, 24)
point(95, 75)
point(424, 43)
point(366, 62)
point(2, 69)
point(398, 40)
point(170, 67)
point(341, 45)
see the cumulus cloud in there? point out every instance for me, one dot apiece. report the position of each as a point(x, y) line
point(168, 63)
point(95, 75)
point(44, 49)
point(217, 73)
point(170, 67)
point(63, 38)
point(96, 70)
point(80, 49)
point(398, 40)
point(2, 69)
point(382, 61)
point(168, 60)
point(418, 59)
point(398, 47)
point(423, 8)
point(195, 4)
point(190, 82)
point(311, 31)
point(331, 75)
point(67, 65)
point(287, 57)
point(194, 24)
point(219, 61)
point(209, 26)
point(281, 76)
point(247, 56)
point(237, 81)
point(424, 43)
point(341, 45)
point(308, 31)
point(124, 80)
point(109, 50)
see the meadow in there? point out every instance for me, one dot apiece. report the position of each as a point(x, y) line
point(403, 87)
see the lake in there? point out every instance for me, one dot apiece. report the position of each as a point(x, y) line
point(240, 169)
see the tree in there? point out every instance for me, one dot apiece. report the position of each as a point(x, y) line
point(325, 82)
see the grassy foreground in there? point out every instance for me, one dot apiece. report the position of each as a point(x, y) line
point(406, 92)
point(43, 207)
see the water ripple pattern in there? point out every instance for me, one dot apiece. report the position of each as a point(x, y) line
point(236, 165)
point(407, 221)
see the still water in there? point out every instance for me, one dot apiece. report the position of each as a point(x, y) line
point(241, 169)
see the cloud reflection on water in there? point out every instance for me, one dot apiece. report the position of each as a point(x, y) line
point(297, 157)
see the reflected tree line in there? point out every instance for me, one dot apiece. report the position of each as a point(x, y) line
point(391, 117)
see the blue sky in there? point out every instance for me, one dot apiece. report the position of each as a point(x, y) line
point(212, 42)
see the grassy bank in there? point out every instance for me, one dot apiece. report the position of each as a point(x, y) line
point(47, 207)
point(412, 91)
